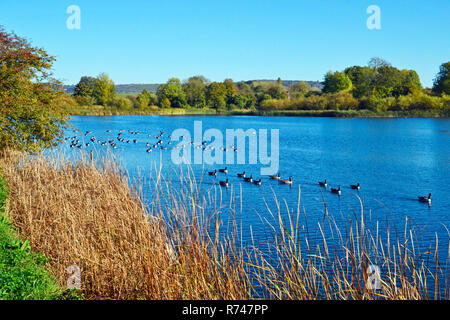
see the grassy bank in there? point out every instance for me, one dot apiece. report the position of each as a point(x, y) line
point(110, 111)
point(88, 215)
point(107, 111)
point(352, 113)
point(22, 272)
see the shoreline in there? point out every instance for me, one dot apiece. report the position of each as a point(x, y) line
point(280, 113)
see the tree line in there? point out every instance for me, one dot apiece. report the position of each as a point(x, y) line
point(378, 87)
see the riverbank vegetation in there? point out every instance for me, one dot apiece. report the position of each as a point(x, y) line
point(23, 273)
point(176, 244)
point(378, 89)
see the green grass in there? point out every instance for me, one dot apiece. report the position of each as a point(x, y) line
point(22, 272)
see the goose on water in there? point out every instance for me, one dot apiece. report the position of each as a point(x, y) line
point(336, 191)
point(241, 175)
point(323, 183)
point(213, 173)
point(225, 170)
point(257, 182)
point(425, 199)
point(248, 179)
point(289, 181)
point(355, 186)
point(276, 177)
point(224, 183)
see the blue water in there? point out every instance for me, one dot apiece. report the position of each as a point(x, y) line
point(394, 160)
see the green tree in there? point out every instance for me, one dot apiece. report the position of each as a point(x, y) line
point(276, 91)
point(441, 83)
point(85, 87)
point(230, 90)
point(390, 78)
point(336, 82)
point(410, 83)
point(195, 89)
point(104, 90)
point(173, 91)
point(361, 78)
point(216, 95)
point(31, 115)
point(143, 99)
point(165, 103)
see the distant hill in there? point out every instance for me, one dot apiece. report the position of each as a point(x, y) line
point(152, 87)
point(288, 83)
point(125, 88)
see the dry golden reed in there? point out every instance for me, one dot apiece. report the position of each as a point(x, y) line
point(86, 214)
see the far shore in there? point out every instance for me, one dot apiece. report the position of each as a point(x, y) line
point(102, 111)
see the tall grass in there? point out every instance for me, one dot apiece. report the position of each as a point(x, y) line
point(177, 246)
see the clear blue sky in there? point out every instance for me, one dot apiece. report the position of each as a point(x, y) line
point(150, 41)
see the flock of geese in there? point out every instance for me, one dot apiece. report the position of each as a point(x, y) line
point(83, 142)
point(78, 142)
point(289, 181)
point(75, 142)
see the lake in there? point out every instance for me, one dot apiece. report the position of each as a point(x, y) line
point(394, 160)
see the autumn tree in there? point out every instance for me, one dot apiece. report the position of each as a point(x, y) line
point(31, 102)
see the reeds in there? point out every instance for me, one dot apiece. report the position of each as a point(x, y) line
point(177, 246)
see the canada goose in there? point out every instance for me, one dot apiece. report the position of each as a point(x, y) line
point(224, 183)
point(337, 191)
point(241, 175)
point(257, 182)
point(323, 183)
point(213, 173)
point(355, 186)
point(426, 199)
point(248, 179)
point(149, 150)
point(277, 177)
point(224, 170)
point(286, 181)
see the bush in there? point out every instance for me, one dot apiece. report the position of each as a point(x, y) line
point(341, 101)
point(122, 103)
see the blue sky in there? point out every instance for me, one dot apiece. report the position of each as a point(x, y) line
point(150, 41)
